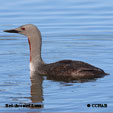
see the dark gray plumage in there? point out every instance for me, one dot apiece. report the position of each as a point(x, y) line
point(71, 70)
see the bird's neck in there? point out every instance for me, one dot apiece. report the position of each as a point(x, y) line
point(35, 52)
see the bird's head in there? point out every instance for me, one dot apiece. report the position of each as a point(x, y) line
point(27, 30)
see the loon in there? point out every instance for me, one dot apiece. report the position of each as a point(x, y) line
point(67, 69)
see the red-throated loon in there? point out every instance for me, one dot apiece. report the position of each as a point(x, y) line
point(63, 69)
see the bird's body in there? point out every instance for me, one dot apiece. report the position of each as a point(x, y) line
point(67, 69)
point(71, 70)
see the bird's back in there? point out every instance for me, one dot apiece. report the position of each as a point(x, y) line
point(72, 70)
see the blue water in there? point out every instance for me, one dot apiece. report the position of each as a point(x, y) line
point(71, 29)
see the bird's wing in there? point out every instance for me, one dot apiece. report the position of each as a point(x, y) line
point(68, 69)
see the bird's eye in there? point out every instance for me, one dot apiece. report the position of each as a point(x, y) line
point(23, 28)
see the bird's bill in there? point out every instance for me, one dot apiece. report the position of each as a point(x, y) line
point(12, 31)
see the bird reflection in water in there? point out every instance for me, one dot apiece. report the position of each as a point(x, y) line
point(36, 89)
point(70, 80)
point(36, 86)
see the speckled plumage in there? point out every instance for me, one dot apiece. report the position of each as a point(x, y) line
point(73, 70)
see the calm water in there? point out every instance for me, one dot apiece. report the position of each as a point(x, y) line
point(71, 29)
